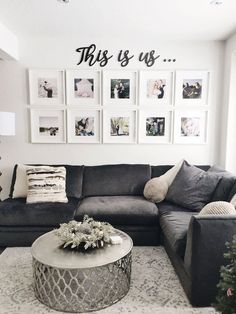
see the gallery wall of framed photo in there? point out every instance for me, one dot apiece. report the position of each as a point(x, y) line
point(118, 106)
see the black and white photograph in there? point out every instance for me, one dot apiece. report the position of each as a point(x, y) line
point(84, 88)
point(192, 88)
point(156, 88)
point(190, 126)
point(155, 126)
point(47, 87)
point(48, 126)
point(119, 126)
point(120, 88)
point(84, 126)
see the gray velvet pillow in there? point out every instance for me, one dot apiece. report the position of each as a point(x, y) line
point(192, 188)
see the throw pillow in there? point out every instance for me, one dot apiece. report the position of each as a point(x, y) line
point(46, 184)
point(225, 185)
point(233, 201)
point(155, 190)
point(20, 186)
point(218, 208)
point(192, 187)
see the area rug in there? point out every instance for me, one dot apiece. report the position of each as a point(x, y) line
point(155, 287)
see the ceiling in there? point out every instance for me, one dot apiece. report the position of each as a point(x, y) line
point(157, 19)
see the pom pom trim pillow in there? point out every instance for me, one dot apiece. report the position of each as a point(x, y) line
point(218, 208)
point(46, 184)
point(155, 190)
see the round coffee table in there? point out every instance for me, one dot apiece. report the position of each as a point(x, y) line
point(73, 281)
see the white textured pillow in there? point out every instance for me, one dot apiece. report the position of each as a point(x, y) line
point(233, 200)
point(218, 208)
point(46, 184)
point(20, 186)
point(155, 189)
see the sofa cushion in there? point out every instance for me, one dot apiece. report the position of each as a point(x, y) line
point(192, 187)
point(15, 212)
point(158, 171)
point(46, 184)
point(74, 180)
point(111, 180)
point(174, 225)
point(119, 210)
point(225, 185)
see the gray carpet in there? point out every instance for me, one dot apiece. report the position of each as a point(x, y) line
point(155, 287)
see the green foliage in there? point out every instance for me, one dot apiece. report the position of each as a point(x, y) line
point(86, 234)
point(226, 298)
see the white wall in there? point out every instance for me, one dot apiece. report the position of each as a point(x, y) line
point(56, 53)
point(228, 139)
point(8, 44)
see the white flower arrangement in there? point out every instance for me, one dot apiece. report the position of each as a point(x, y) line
point(86, 234)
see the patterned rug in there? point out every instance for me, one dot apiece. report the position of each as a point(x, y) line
point(155, 287)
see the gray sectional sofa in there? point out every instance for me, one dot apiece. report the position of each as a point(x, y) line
point(114, 193)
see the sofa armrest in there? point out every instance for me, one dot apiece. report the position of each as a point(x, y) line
point(206, 238)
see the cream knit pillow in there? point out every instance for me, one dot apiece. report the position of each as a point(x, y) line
point(218, 208)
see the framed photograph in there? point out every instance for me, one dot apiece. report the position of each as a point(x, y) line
point(47, 125)
point(83, 87)
point(191, 87)
point(155, 126)
point(155, 88)
point(119, 87)
point(83, 126)
point(46, 87)
point(119, 126)
point(190, 127)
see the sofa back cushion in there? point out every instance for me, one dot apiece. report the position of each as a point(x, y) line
point(74, 180)
point(111, 180)
point(158, 171)
point(222, 191)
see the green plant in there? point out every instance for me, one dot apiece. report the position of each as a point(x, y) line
point(226, 298)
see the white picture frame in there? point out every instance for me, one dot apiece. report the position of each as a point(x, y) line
point(84, 126)
point(191, 88)
point(155, 88)
point(119, 87)
point(46, 87)
point(83, 87)
point(47, 125)
point(119, 126)
point(190, 126)
point(155, 126)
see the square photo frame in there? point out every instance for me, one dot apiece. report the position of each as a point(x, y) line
point(83, 126)
point(155, 88)
point(119, 126)
point(191, 88)
point(119, 87)
point(83, 87)
point(190, 126)
point(47, 125)
point(46, 87)
point(155, 126)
